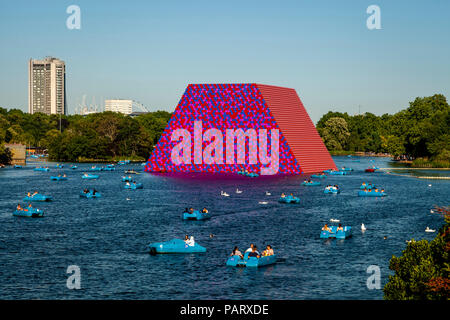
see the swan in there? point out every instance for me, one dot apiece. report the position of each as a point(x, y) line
point(429, 230)
point(335, 220)
point(429, 185)
point(268, 193)
point(363, 227)
point(238, 191)
point(224, 194)
point(431, 211)
point(263, 202)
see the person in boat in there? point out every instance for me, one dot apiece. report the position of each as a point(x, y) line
point(283, 195)
point(309, 180)
point(340, 228)
point(85, 190)
point(35, 193)
point(186, 210)
point(191, 210)
point(29, 206)
point(205, 210)
point(64, 175)
point(254, 253)
point(382, 191)
point(128, 184)
point(19, 207)
point(376, 190)
point(252, 246)
point(28, 194)
point(236, 252)
point(365, 189)
point(94, 192)
point(191, 241)
point(268, 251)
point(326, 228)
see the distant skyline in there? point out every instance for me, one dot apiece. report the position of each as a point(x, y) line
point(150, 51)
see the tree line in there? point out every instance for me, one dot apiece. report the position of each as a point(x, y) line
point(420, 131)
point(98, 136)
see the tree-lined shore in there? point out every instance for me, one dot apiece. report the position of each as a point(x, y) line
point(101, 136)
point(420, 133)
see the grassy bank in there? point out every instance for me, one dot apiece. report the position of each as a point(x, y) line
point(426, 163)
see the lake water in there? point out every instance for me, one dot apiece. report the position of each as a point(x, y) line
point(108, 237)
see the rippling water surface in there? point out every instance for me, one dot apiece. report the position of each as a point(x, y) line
point(108, 237)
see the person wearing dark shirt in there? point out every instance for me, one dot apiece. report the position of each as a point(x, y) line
point(253, 253)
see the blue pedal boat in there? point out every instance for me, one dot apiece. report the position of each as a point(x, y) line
point(319, 176)
point(196, 215)
point(90, 176)
point(29, 213)
point(41, 169)
point(58, 178)
point(341, 234)
point(38, 197)
point(312, 183)
point(289, 199)
point(127, 179)
point(90, 194)
point(133, 186)
point(17, 166)
point(362, 193)
point(73, 167)
point(96, 168)
point(367, 186)
point(331, 190)
point(59, 166)
point(346, 169)
point(237, 261)
point(175, 246)
point(252, 175)
point(338, 173)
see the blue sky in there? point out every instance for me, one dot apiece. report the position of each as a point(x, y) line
point(150, 50)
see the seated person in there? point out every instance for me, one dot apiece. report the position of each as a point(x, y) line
point(326, 228)
point(190, 242)
point(205, 210)
point(283, 195)
point(191, 210)
point(254, 253)
point(340, 228)
point(28, 194)
point(29, 206)
point(382, 191)
point(236, 252)
point(19, 207)
point(252, 246)
point(35, 193)
point(268, 251)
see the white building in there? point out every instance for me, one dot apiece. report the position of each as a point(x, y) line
point(122, 106)
point(47, 86)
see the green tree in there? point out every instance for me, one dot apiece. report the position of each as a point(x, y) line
point(422, 271)
point(335, 133)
